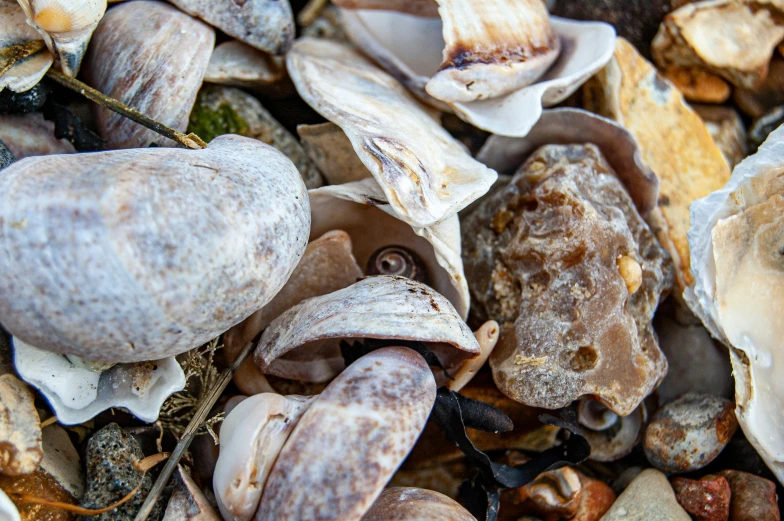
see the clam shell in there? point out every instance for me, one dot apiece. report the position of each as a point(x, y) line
point(585, 48)
point(78, 394)
point(267, 25)
point(237, 64)
point(427, 8)
point(151, 57)
point(349, 443)
point(8, 511)
point(20, 428)
point(425, 173)
point(28, 135)
point(416, 504)
point(169, 269)
point(331, 151)
point(14, 30)
point(251, 438)
point(376, 307)
point(566, 126)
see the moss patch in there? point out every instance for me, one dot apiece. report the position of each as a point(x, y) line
point(209, 122)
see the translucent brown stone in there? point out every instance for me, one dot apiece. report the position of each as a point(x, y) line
point(541, 259)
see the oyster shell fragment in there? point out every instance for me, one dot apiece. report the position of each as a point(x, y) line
point(426, 175)
point(237, 64)
point(737, 253)
point(14, 30)
point(428, 8)
point(20, 428)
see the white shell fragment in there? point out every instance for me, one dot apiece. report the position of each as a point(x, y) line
point(487, 337)
point(66, 26)
point(425, 173)
point(14, 30)
point(20, 428)
point(267, 25)
point(30, 134)
point(585, 48)
point(492, 48)
point(151, 57)
point(565, 126)
point(416, 7)
point(362, 210)
point(8, 511)
point(169, 269)
point(737, 255)
point(416, 504)
point(240, 65)
point(188, 502)
point(77, 394)
point(61, 461)
point(376, 307)
point(251, 437)
point(349, 443)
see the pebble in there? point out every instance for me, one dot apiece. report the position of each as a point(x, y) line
point(758, 101)
point(111, 475)
point(648, 498)
point(753, 498)
point(728, 131)
point(707, 499)
point(689, 432)
point(6, 157)
point(764, 125)
point(596, 499)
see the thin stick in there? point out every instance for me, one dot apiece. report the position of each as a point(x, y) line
point(311, 11)
point(49, 421)
point(190, 431)
point(10, 55)
point(190, 141)
point(26, 498)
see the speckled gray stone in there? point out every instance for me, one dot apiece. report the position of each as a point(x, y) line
point(6, 157)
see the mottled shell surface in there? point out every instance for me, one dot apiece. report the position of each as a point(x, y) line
point(350, 442)
point(20, 428)
point(426, 174)
point(125, 256)
point(267, 25)
point(428, 8)
point(416, 504)
point(152, 57)
point(14, 30)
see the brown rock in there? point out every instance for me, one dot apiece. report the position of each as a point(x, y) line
point(698, 85)
point(596, 499)
point(753, 498)
point(706, 500)
point(41, 485)
point(770, 94)
point(674, 142)
point(541, 259)
point(728, 131)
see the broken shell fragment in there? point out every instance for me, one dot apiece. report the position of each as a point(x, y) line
point(487, 338)
point(415, 504)
point(66, 26)
point(556, 492)
point(427, 8)
point(8, 511)
point(492, 48)
point(426, 175)
point(236, 64)
point(28, 135)
point(541, 255)
point(368, 418)
point(20, 428)
point(331, 151)
point(728, 38)
point(376, 307)
point(187, 502)
point(585, 48)
point(170, 269)
point(736, 240)
point(267, 25)
point(14, 30)
point(611, 436)
point(77, 393)
point(251, 437)
point(151, 57)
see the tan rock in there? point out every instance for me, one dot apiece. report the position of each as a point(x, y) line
point(20, 428)
point(768, 95)
point(698, 85)
point(673, 139)
point(649, 497)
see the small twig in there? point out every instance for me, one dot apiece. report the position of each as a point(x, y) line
point(49, 421)
point(190, 140)
point(150, 461)
point(26, 498)
point(10, 55)
point(190, 431)
point(311, 11)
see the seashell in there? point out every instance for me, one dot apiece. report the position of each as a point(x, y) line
point(376, 307)
point(20, 428)
point(236, 64)
point(415, 504)
point(28, 135)
point(351, 440)
point(188, 269)
point(556, 492)
point(486, 337)
point(187, 502)
point(611, 436)
point(331, 151)
point(251, 437)
point(8, 511)
point(564, 126)
point(725, 37)
point(736, 239)
point(267, 25)
point(77, 393)
point(585, 48)
point(728, 131)
point(66, 26)
point(427, 8)
point(151, 57)
point(327, 25)
point(61, 461)
point(426, 174)
point(26, 73)
point(362, 210)
point(492, 48)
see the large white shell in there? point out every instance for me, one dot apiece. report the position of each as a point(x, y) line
point(251, 437)
point(586, 48)
point(349, 443)
point(375, 307)
point(361, 209)
point(425, 173)
point(737, 243)
point(77, 394)
point(14, 30)
point(66, 26)
point(240, 65)
point(126, 256)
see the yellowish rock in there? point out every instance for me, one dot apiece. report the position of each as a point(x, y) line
point(673, 139)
